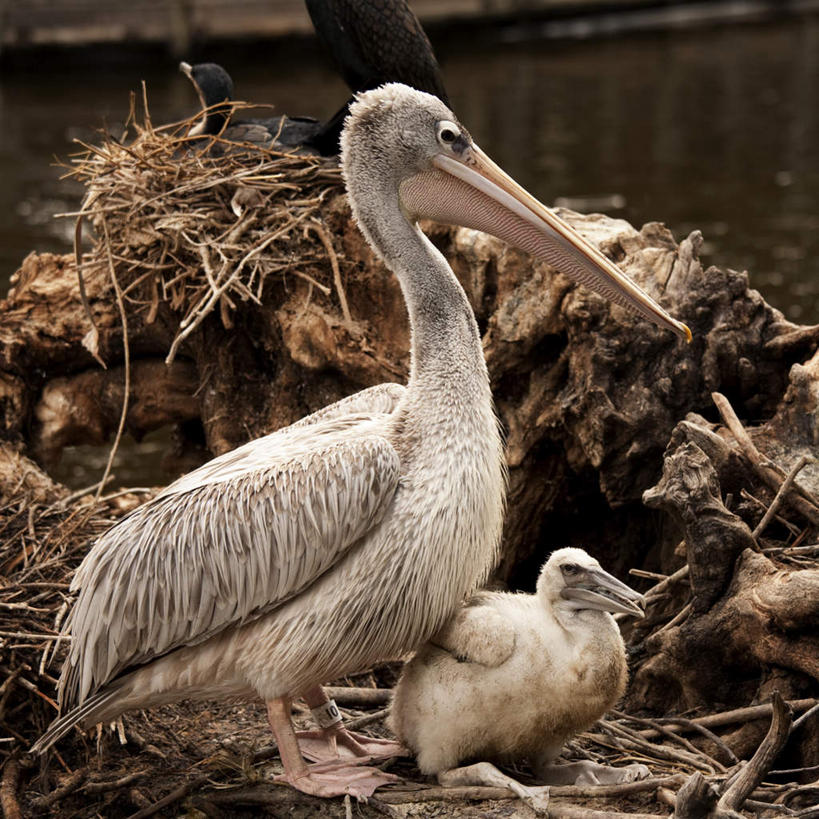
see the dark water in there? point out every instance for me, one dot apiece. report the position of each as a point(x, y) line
point(715, 129)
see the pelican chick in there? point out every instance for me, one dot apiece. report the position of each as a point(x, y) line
point(350, 537)
point(517, 675)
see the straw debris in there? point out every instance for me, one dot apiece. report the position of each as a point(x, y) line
point(200, 223)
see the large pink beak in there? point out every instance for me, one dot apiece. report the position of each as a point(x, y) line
point(474, 192)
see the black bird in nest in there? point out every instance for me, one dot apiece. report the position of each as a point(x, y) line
point(372, 42)
point(215, 89)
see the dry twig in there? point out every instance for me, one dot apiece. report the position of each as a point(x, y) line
point(780, 495)
point(753, 773)
point(800, 499)
point(8, 790)
point(127, 355)
point(174, 796)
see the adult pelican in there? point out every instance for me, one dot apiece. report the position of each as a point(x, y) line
point(350, 537)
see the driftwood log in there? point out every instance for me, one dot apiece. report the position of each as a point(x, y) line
point(620, 438)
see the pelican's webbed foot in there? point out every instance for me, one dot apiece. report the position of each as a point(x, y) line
point(325, 744)
point(337, 778)
point(333, 741)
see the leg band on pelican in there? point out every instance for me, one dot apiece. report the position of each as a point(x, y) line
point(327, 714)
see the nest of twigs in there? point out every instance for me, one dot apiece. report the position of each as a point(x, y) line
point(44, 534)
point(218, 758)
point(201, 222)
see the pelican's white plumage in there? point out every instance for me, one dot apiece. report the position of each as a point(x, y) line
point(350, 537)
point(515, 676)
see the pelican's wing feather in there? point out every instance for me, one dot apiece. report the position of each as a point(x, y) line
point(226, 543)
point(380, 398)
point(478, 633)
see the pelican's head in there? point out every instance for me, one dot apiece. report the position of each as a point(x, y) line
point(213, 86)
point(407, 145)
point(575, 580)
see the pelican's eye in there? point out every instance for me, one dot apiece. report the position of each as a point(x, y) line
point(448, 132)
point(570, 569)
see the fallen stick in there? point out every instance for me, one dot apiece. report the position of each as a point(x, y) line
point(750, 712)
point(695, 798)
point(669, 734)
point(103, 786)
point(806, 716)
point(555, 791)
point(633, 740)
point(8, 790)
point(780, 495)
point(69, 786)
point(557, 810)
point(701, 729)
point(660, 587)
point(174, 796)
point(754, 772)
point(802, 502)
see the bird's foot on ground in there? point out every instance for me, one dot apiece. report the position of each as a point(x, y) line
point(339, 778)
point(536, 797)
point(331, 744)
point(586, 772)
point(607, 775)
point(486, 774)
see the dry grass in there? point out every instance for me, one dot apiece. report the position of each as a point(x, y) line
point(200, 223)
point(43, 537)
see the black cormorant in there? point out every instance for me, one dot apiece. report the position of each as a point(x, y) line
point(373, 42)
point(214, 86)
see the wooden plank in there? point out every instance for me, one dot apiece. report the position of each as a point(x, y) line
point(86, 22)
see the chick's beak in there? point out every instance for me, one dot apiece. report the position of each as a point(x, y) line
point(471, 190)
point(604, 592)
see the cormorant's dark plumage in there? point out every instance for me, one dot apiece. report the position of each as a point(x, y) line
point(373, 42)
point(214, 85)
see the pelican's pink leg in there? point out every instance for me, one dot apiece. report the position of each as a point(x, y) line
point(333, 741)
point(326, 779)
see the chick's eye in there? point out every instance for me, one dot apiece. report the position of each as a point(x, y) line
point(447, 135)
point(570, 569)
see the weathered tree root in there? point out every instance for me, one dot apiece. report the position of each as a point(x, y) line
point(746, 613)
point(699, 799)
point(83, 408)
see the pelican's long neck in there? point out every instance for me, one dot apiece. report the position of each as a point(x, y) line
point(446, 344)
